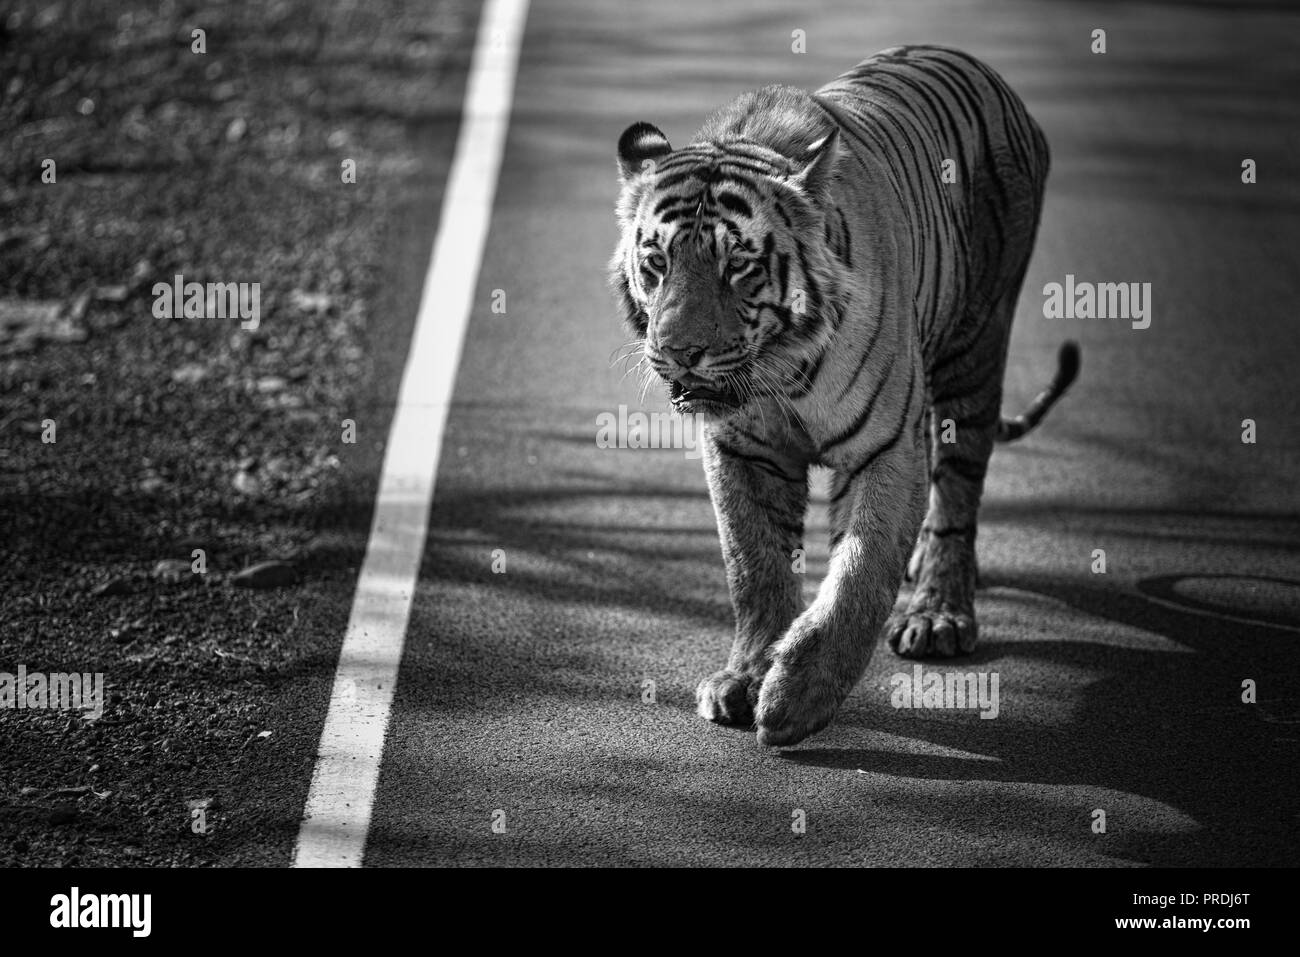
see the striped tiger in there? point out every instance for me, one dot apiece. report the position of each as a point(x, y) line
point(805, 276)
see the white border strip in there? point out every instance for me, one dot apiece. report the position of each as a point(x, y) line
point(339, 803)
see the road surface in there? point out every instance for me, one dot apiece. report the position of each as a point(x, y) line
point(521, 695)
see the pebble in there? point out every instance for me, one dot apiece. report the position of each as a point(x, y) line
point(247, 483)
point(171, 570)
point(116, 293)
point(310, 301)
point(190, 374)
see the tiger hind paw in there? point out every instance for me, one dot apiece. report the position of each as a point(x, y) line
point(931, 633)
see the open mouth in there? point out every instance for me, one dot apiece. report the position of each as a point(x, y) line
point(700, 397)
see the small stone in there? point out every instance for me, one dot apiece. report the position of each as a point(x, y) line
point(116, 293)
point(141, 274)
point(309, 301)
point(24, 324)
point(246, 483)
point(76, 310)
point(278, 466)
point(17, 312)
point(271, 384)
point(171, 570)
point(190, 373)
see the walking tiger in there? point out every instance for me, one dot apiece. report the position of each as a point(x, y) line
point(806, 276)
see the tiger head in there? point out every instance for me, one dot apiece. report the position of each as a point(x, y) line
point(722, 269)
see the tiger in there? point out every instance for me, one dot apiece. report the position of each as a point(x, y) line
point(828, 280)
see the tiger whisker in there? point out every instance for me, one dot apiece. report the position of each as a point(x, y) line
point(645, 385)
point(633, 346)
point(637, 367)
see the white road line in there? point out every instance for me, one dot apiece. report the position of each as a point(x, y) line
point(339, 803)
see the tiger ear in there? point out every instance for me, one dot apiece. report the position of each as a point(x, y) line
point(638, 148)
point(819, 163)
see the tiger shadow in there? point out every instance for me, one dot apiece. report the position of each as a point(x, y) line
point(1169, 727)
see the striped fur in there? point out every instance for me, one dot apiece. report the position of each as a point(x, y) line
point(801, 275)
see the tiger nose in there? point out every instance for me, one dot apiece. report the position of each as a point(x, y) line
point(686, 357)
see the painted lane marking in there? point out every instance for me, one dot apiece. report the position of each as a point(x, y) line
point(336, 818)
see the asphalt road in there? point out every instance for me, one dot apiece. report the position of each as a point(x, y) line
point(522, 691)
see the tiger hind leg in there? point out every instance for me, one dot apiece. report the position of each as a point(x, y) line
point(939, 619)
point(918, 551)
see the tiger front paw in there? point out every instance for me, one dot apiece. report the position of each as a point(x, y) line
point(795, 702)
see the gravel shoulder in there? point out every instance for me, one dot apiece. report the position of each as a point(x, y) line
point(146, 462)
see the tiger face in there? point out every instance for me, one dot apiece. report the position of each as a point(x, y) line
point(715, 282)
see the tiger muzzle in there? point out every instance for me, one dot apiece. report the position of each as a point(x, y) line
point(690, 393)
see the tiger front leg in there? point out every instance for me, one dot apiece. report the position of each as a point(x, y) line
point(760, 496)
point(876, 514)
